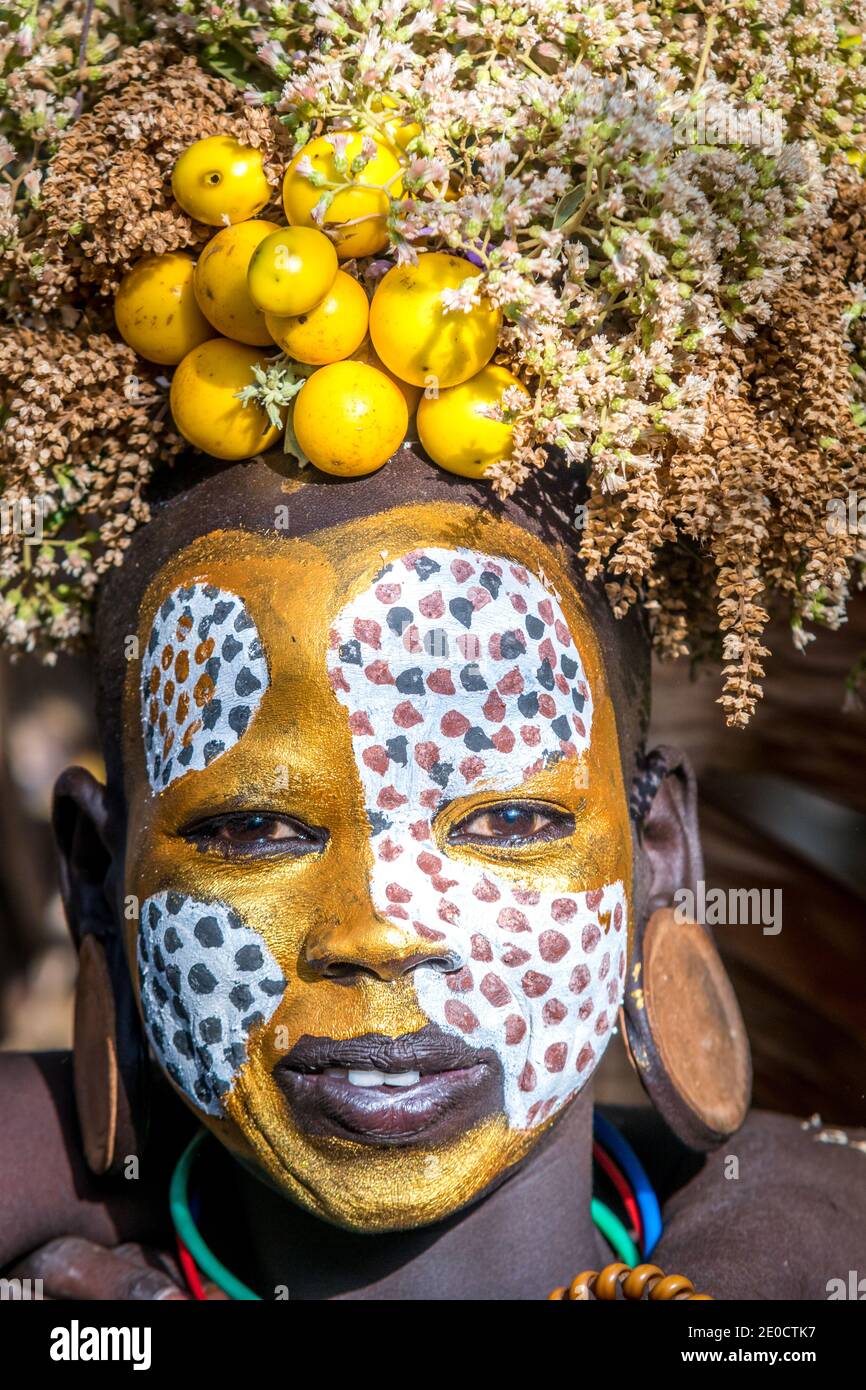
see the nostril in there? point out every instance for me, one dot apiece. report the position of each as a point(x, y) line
point(345, 970)
point(448, 965)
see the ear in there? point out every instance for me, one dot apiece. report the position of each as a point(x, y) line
point(110, 1058)
point(87, 851)
point(665, 808)
point(681, 1023)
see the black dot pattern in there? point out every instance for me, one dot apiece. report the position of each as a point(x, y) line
point(206, 981)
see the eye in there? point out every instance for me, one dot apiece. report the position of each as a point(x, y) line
point(513, 823)
point(255, 833)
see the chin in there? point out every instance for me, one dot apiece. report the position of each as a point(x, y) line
point(362, 1186)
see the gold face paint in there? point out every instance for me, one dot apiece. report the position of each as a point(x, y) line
point(298, 758)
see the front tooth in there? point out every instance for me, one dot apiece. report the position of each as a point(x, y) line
point(402, 1078)
point(339, 1072)
point(366, 1078)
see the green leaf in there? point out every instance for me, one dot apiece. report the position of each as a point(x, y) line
point(290, 440)
point(229, 63)
point(566, 207)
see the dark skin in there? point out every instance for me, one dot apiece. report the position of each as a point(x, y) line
point(734, 1237)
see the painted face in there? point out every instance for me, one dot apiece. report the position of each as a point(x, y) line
point(380, 843)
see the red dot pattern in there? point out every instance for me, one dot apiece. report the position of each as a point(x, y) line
point(458, 670)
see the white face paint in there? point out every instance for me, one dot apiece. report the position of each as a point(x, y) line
point(459, 672)
point(202, 679)
point(206, 980)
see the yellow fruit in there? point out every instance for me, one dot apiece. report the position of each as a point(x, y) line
point(218, 179)
point(403, 133)
point(367, 199)
point(221, 282)
point(455, 432)
point(411, 394)
point(156, 311)
point(349, 419)
point(416, 338)
point(331, 331)
point(291, 270)
point(399, 132)
point(205, 406)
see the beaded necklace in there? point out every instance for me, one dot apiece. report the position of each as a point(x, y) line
point(614, 1157)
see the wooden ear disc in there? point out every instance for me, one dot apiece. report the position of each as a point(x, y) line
point(685, 1034)
point(104, 1112)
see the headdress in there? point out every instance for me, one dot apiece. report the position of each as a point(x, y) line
point(661, 205)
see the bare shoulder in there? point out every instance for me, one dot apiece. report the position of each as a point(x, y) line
point(779, 1211)
point(46, 1189)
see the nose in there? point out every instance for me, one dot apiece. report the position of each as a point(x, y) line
point(353, 945)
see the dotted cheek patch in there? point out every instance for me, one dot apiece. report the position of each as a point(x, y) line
point(456, 667)
point(541, 982)
point(202, 679)
point(206, 980)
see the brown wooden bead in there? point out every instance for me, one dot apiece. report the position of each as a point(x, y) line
point(671, 1286)
point(635, 1284)
point(608, 1281)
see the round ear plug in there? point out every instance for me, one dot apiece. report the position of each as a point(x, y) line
point(102, 1086)
point(684, 1032)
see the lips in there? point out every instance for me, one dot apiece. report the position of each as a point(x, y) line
point(425, 1087)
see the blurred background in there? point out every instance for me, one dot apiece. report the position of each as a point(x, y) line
point(783, 805)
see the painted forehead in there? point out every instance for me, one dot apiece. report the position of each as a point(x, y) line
point(474, 648)
point(458, 669)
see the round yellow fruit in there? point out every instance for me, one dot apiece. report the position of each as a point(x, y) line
point(218, 179)
point(367, 199)
point(156, 312)
point(411, 394)
point(291, 271)
point(221, 282)
point(457, 434)
point(349, 419)
point(331, 331)
point(205, 406)
point(416, 338)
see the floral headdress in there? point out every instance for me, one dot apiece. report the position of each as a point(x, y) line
point(665, 202)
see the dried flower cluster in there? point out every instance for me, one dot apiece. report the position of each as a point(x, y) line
point(105, 198)
point(84, 420)
point(51, 53)
point(665, 201)
point(83, 428)
point(771, 490)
